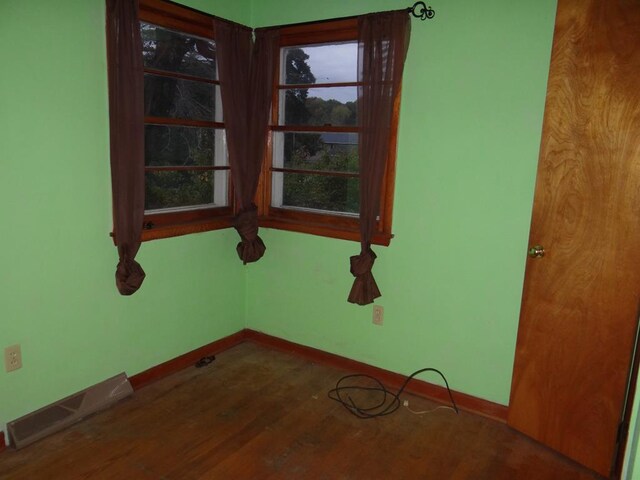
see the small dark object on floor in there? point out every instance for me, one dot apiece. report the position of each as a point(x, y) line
point(204, 361)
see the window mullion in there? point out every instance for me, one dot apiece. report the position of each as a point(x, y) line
point(182, 122)
point(326, 173)
point(185, 168)
point(220, 182)
point(181, 76)
point(315, 128)
point(297, 86)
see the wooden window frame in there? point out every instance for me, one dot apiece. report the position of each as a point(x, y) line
point(175, 223)
point(319, 223)
point(198, 219)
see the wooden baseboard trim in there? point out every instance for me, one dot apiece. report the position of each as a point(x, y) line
point(392, 380)
point(174, 365)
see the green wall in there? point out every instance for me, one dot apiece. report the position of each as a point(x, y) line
point(470, 126)
point(57, 293)
point(451, 281)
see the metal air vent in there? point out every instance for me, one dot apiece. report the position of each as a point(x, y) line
point(59, 415)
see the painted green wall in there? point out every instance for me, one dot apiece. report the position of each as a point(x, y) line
point(57, 292)
point(631, 470)
point(470, 126)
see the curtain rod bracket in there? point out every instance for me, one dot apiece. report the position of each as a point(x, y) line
point(421, 11)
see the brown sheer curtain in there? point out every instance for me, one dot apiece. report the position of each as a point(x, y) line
point(126, 122)
point(383, 39)
point(245, 70)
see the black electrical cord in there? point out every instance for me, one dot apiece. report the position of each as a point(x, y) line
point(389, 403)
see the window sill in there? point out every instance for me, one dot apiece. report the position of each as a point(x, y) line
point(179, 230)
point(327, 228)
point(168, 231)
point(343, 228)
point(174, 224)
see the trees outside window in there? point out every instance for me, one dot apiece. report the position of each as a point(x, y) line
point(187, 186)
point(311, 178)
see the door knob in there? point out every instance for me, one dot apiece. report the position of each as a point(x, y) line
point(537, 251)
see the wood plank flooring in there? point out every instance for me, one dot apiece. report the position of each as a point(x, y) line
point(256, 413)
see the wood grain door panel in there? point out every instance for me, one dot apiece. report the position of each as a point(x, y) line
point(580, 301)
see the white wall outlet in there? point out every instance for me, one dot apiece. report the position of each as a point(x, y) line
point(12, 358)
point(378, 314)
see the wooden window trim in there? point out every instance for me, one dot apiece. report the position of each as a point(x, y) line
point(176, 17)
point(166, 13)
point(170, 224)
point(174, 224)
point(319, 32)
point(183, 222)
point(323, 224)
point(180, 76)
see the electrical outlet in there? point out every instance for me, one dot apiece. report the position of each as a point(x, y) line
point(378, 314)
point(12, 358)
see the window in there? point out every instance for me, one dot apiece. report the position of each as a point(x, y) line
point(187, 181)
point(311, 178)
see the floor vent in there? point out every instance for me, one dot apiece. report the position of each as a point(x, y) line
point(53, 418)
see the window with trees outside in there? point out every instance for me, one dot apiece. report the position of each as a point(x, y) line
point(312, 176)
point(187, 185)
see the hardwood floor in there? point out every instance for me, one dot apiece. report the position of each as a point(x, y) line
point(256, 413)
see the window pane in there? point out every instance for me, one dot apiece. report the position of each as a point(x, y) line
point(164, 49)
point(319, 106)
point(336, 152)
point(182, 188)
point(330, 63)
point(171, 97)
point(181, 146)
point(318, 192)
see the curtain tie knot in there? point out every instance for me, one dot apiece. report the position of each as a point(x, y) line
point(129, 275)
point(364, 289)
point(363, 263)
point(246, 223)
point(251, 247)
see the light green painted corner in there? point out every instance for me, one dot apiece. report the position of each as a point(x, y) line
point(631, 465)
point(470, 126)
point(57, 292)
point(470, 129)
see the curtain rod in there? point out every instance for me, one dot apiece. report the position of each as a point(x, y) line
point(421, 11)
point(418, 10)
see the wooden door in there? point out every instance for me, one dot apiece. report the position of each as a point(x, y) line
point(580, 302)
